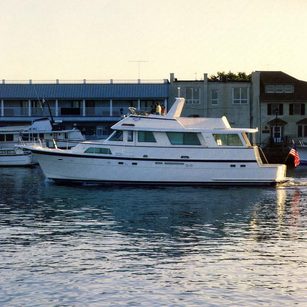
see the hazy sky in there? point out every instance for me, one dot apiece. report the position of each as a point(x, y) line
point(100, 39)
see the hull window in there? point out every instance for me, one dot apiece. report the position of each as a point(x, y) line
point(98, 150)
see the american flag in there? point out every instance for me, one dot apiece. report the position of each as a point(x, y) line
point(296, 158)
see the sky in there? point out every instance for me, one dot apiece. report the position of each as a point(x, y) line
point(149, 39)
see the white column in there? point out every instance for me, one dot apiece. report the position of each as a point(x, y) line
point(29, 107)
point(111, 107)
point(83, 108)
point(2, 107)
point(56, 107)
point(139, 104)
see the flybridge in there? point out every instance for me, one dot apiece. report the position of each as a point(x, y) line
point(173, 122)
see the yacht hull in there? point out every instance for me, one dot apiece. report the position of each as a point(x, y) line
point(120, 170)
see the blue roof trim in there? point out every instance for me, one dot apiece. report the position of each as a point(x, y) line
point(83, 91)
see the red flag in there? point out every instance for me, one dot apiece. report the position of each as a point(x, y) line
point(296, 158)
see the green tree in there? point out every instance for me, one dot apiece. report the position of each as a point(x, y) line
point(230, 76)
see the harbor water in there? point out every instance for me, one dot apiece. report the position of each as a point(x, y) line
point(170, 246)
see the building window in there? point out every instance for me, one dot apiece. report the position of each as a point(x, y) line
point(146, 136)
point(275, 109)
point(227, 140)
point(192, 95)
point(270, 89)
point(279, 88)
point(240, 95)
point(6, 137)
point(183, 138)
point(214, 96)
point(296, 109)
point(302, 131)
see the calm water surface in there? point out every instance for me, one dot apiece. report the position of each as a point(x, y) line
point(175, 246)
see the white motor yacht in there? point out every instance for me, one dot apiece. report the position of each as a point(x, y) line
point(164, 150)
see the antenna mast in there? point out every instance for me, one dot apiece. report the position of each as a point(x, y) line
point(139, 66)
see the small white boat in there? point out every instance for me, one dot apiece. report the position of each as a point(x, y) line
point(41, 132)
point(170, 150)
point(15, 157)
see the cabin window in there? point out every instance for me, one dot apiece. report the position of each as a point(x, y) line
point(117, 136)
point(146, 136)
point(183, 138)
point(99, 150)
point(227, 140)
point(130, 136)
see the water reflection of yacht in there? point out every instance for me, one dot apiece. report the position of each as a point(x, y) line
point(272, 218)
point(157, 149)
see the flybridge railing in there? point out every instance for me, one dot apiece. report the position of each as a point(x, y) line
point(85, 81)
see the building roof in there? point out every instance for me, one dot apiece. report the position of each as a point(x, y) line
point(302, 121)
point(277, 122)
point(280, 78)
point(84, 91)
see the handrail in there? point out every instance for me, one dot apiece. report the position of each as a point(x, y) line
point(263, 155)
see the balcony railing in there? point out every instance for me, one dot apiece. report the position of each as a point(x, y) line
point(85, 81)
point(67, 112)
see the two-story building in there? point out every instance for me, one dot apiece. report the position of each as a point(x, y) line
point(272, 101)
point(280, 104)
point(215, 98)
point(91, 106)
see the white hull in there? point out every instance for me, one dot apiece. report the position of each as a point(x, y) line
point(15, 159)
point(74, 168)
